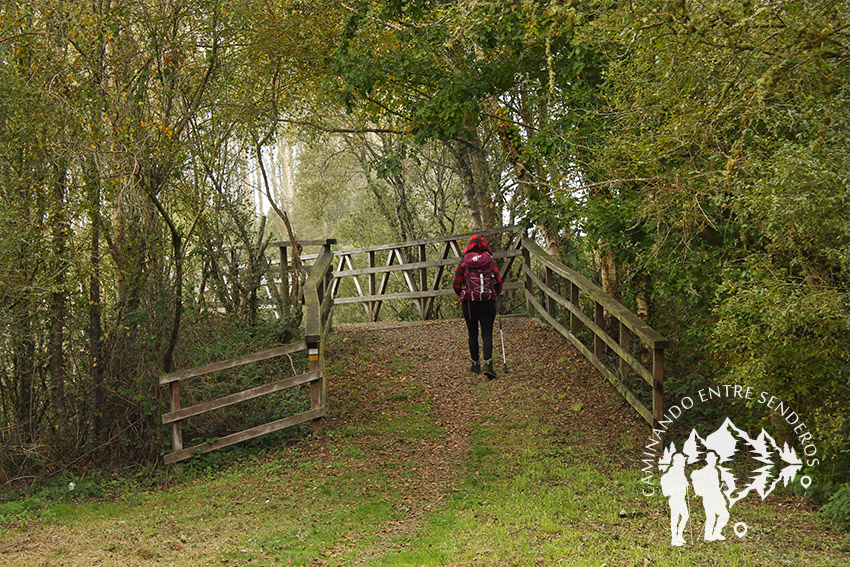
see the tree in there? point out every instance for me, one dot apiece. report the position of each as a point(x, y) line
point(731, 116)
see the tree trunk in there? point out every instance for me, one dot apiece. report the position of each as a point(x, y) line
point(472, 163)
point(610, 278)
point(553, 241)
point(642, 310)
point(24, 373)
point(299, 275)
point(97, 399)
point(60, 228)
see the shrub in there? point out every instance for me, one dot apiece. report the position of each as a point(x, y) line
point(838, 508)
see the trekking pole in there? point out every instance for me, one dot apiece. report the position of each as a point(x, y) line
point(501, 337)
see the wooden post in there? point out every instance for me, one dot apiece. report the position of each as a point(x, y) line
point(326, 321)
point(176, 427)
point(315, 387)
point(550, 303)
point(658, 388)
point(574, 321)
point(373, 313)
point(626, 343)
point(526, 261)
point(423, 283)
point(599, 319)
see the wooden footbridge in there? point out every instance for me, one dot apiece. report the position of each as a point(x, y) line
point(621, 346)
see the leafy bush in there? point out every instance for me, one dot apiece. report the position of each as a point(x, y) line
point(838, 508)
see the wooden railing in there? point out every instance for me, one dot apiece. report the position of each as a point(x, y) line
point(318, 318)
point(422, 277)
point(628, 327)
point(424, 281)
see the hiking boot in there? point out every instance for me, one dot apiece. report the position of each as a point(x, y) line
point(476, 367)
point(488, 369)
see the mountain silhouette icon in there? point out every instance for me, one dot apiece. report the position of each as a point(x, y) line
point(732, 445)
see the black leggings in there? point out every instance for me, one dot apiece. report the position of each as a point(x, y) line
point(483, 312)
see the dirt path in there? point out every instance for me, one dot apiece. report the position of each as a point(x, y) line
point(428, 363)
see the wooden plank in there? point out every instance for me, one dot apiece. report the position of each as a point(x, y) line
point(455, 247)
point(435, 284)
point(574, 319)
point(382, 288)
point(626, 344)
point(177, 428)
point(577, 316)
point(325, 308)
point(315, 363)
point(410, 295)
point(423, 282)
point(408, 266)
point(372, 281)
point(598, 364)
point(336, 283)
point(599, 320)
point(391, 296)
point(231, 363)
point(515, 251)
point(437, 240)
point(350, 263)
point(312, 301)
point(649, 335)
point(328, 325)
point(242, 396)
point(303, 243)
point(658, 387)
point(244, 435)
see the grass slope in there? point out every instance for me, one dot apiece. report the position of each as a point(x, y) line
point(421, 463)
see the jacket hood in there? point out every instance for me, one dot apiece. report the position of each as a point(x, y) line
point(477, 243)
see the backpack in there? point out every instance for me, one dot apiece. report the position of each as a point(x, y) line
point(480, 279)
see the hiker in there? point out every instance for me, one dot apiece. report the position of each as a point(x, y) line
point(478, 285)
point(674, 485)
point(707, 484)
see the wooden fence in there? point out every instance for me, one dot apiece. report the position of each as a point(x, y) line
point(424, 280)
point(422, 277)
point(629, 326)
point(317, 318)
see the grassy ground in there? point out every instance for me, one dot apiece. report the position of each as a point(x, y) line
point(422, 464)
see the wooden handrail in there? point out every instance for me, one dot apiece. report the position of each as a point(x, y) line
point(436, 240)
point(231, 363)
point(410, 295)
point(316, 284)
point(227, 440)
point(650, 336)
point(634, 363)
point(423, 286)
point(629, 323)
point(325, 242)
point(318, 316)
point(244, 395)
point(416, 265)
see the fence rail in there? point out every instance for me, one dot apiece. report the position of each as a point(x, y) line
point(318, 318)
point(421, 276)
point(424, 280)
point(630, 326)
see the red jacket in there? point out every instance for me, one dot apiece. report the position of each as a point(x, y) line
point(476, 243)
